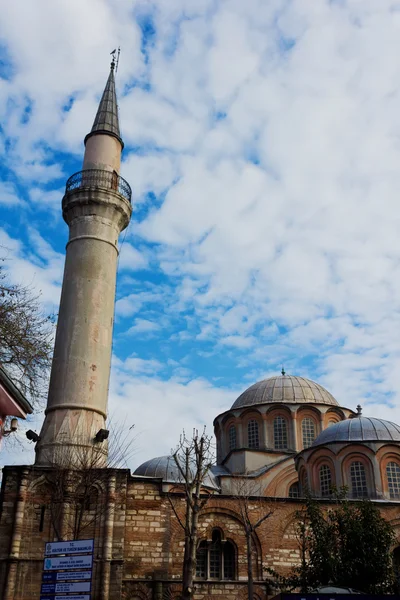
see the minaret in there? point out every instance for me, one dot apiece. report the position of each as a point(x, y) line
point(96, 207)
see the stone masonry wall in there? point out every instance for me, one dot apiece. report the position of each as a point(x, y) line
point(138, 539)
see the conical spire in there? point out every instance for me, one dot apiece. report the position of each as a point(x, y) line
point(106, 120)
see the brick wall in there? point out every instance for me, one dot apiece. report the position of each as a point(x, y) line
point(138, 539)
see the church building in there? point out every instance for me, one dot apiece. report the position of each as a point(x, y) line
point(281, 436)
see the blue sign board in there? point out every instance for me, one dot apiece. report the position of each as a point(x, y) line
point(69, 547)
point(51, 576)
point(74, 597)
point(83, 561)
point(67, 570)
point(66, 587)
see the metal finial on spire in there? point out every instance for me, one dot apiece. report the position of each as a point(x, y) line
point(115, 58)
point(283, 371)
point(359, 410)
point(106, 120)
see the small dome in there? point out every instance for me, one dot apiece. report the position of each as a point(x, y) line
point(165, 468)
point(359, 429)
point(285, 388)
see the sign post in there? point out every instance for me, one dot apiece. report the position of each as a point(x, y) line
point(67, 570)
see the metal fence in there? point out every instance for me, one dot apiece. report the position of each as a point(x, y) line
point(99, 178)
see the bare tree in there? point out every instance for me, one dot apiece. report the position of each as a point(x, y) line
point(26, 337)
point(193, 458)
point(77, 479)
point(254, 510)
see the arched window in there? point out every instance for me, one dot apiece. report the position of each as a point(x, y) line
point(252, 434)
point(215, 559)
point(325, 480)
point(358, 480)
point(280, 433)
point(393, 479)
point(232, 437)
point(308, 431)
point(294, 491)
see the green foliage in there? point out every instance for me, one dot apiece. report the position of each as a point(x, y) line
point(348, 545)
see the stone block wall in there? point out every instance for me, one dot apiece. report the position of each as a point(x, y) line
point(139, 542)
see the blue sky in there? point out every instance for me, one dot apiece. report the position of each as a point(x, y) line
point(262, 144)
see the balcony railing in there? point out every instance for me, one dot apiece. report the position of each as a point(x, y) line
point(99, 178)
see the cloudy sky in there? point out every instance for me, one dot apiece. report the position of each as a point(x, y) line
point(262, 144)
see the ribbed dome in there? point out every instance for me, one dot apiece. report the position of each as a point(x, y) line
point(285, 388)
point(165, 468)
point(359, 429)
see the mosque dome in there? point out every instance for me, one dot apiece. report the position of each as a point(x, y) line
point(359, 429)
point(165, 468)
point(285, 388)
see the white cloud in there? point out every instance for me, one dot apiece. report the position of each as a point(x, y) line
point(143, 326)
point(160, 409)
point(272, 131)
point(130, 259)
point(237, 341)
point(9, 195)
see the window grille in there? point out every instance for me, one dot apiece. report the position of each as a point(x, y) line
point(229, 561)
point(215, 559)
point(280, 434)
point(358, 480)
point(252, 434)
point(393, 479)
point(232, 437)
point(294, 491)
point(308, 431)
point(201, 560)
point(325, 480)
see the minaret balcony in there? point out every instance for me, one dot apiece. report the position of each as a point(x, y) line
point(99, 178)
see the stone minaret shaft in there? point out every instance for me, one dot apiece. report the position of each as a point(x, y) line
point(96, 207)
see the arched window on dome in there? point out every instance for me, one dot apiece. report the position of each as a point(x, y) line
point(393, 479)
point(280, 433)
point(325, 480)
point(232, 437)
point(215, 559)
point(294, 490)
point(253, 438)
point(308, 431)
point(358, 480)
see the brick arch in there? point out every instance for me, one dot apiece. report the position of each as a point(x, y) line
point(37, 483)
point(285, 479)
point(229, 416)
point(308, 408)
point(289, 522)
point(250, 411)
point(279, 408)
point(334, 411)
point(218, 523)
point(258, 591)
point(137, 591)
point(172, 592)
point(360, 455)
point(386, 455)
point(222, 511)
point(319, 459)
